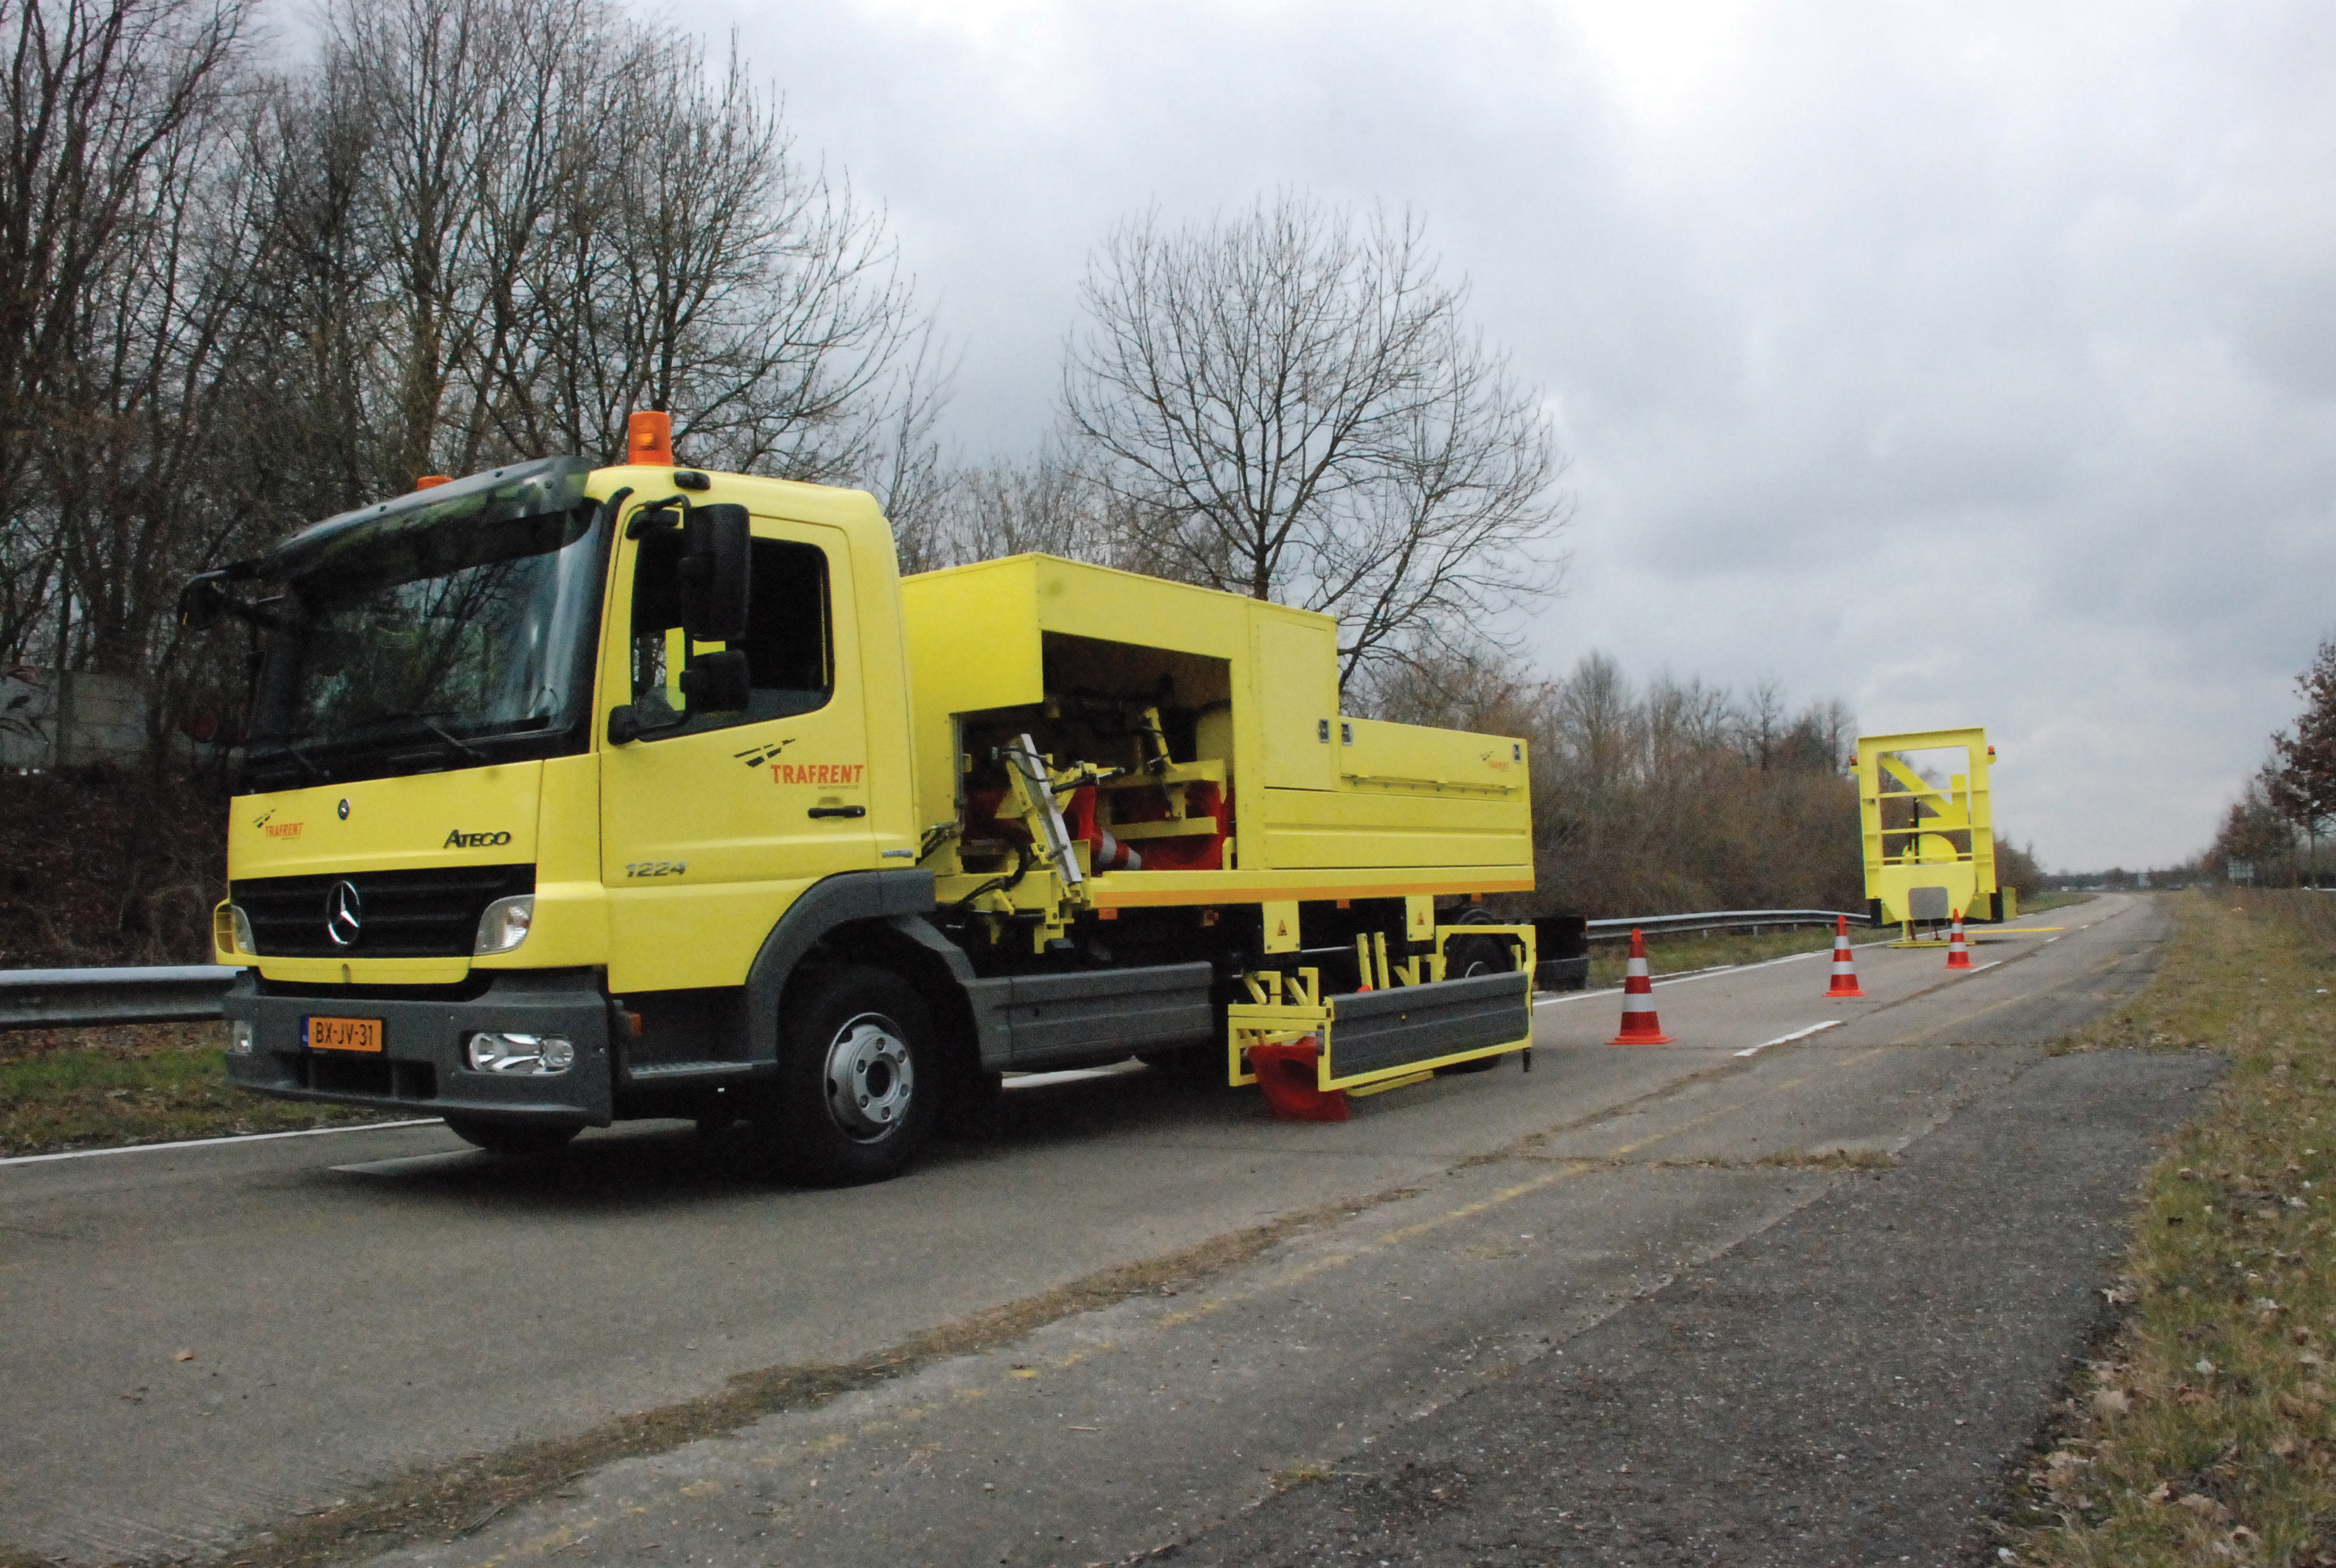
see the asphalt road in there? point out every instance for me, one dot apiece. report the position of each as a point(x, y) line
point(1720, 1264)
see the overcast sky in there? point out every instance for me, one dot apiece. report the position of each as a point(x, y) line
point(1973, 364)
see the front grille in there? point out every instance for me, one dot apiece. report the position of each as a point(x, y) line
point(432, 914)
point(374, 1078)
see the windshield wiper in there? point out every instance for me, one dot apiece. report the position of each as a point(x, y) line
point(449, 736)
point(293, 750)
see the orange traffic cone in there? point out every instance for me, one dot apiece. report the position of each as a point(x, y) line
point(1844, 972)
point(1958, 955)
point(1640, 1026)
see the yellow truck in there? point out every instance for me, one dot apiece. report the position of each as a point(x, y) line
point(575, 795)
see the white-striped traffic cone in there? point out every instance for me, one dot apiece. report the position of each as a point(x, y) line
point(1844, 972)
point(1640, 1024)
point(1958, 955)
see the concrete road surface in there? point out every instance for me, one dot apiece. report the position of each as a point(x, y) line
point(1458, 1328)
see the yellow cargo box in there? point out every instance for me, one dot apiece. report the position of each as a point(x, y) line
point(1243, 696)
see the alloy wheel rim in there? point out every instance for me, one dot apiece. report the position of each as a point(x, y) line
point(870, 1078)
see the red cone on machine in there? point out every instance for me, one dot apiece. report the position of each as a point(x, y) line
point(1958, 955)
point(1845, 970)
point(1285, 1071)
point(1640, 1024)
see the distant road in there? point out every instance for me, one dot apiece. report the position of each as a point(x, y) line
point(381, 1303)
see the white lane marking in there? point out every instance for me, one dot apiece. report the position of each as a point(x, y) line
point(1795, 1035)
point(1741, 968)
point(1989, 965)
point(1549, 999)
point(410, 1163)
point(206, 1143)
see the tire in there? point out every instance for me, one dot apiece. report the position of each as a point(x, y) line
point(520, 1140)
point(1466, 956)
point(860, 1078)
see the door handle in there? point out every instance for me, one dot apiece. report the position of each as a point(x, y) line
point(837, 811)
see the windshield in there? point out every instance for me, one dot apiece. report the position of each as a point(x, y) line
point(416, 644)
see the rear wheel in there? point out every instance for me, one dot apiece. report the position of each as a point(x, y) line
point(1467, 956)
point(515, 1138)
point(859, 1077)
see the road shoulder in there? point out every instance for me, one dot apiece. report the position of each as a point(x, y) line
point(1844, 1388)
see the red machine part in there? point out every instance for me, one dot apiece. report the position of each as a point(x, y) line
point(1200, 852)
point(1286, 1073)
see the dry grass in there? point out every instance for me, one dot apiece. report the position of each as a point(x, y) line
point(2207, 1434)
point(1832, 1160)
point(2059, 901)
point(103, 1088)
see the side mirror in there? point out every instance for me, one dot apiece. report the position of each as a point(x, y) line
point(716, 555)
point(716, 682)
point(203, 604)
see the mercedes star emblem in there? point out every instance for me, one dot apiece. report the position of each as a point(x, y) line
point(344, 914)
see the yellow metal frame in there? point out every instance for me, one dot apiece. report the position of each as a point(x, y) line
point(1289, 1004)
point(1924, 854)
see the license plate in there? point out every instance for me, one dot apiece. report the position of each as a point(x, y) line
point(345, 1033)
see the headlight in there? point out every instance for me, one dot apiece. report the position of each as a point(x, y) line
point(239, 1037)
point(232, 930)
point(505, 925)
point(509, 1053)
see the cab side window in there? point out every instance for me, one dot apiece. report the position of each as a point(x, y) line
point(790, 642)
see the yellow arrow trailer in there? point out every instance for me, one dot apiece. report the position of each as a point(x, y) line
point(1927, 827)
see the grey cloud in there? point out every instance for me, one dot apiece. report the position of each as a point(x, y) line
point(1971, 363)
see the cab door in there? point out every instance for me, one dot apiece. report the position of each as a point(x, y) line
point(711, 823)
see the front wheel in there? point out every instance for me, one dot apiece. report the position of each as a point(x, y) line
point(860, 1078)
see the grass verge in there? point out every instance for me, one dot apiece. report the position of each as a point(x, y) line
point(148, 1084)
point(2060, 900)
point(2205, 1432)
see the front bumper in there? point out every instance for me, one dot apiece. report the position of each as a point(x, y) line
point(421, 1069)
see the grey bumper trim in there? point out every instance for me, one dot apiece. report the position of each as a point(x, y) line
point(421, 1069)
point(1406, 1023)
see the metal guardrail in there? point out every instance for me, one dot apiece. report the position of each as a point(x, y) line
point(190, 993)
point(1716, 920)
point(87, 999)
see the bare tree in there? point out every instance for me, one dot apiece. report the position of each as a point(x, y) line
point(1647, 799)
point(97, 102)
point(985, 511)
point(1288, 404)
point(2299, 781)
point(507, 223)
